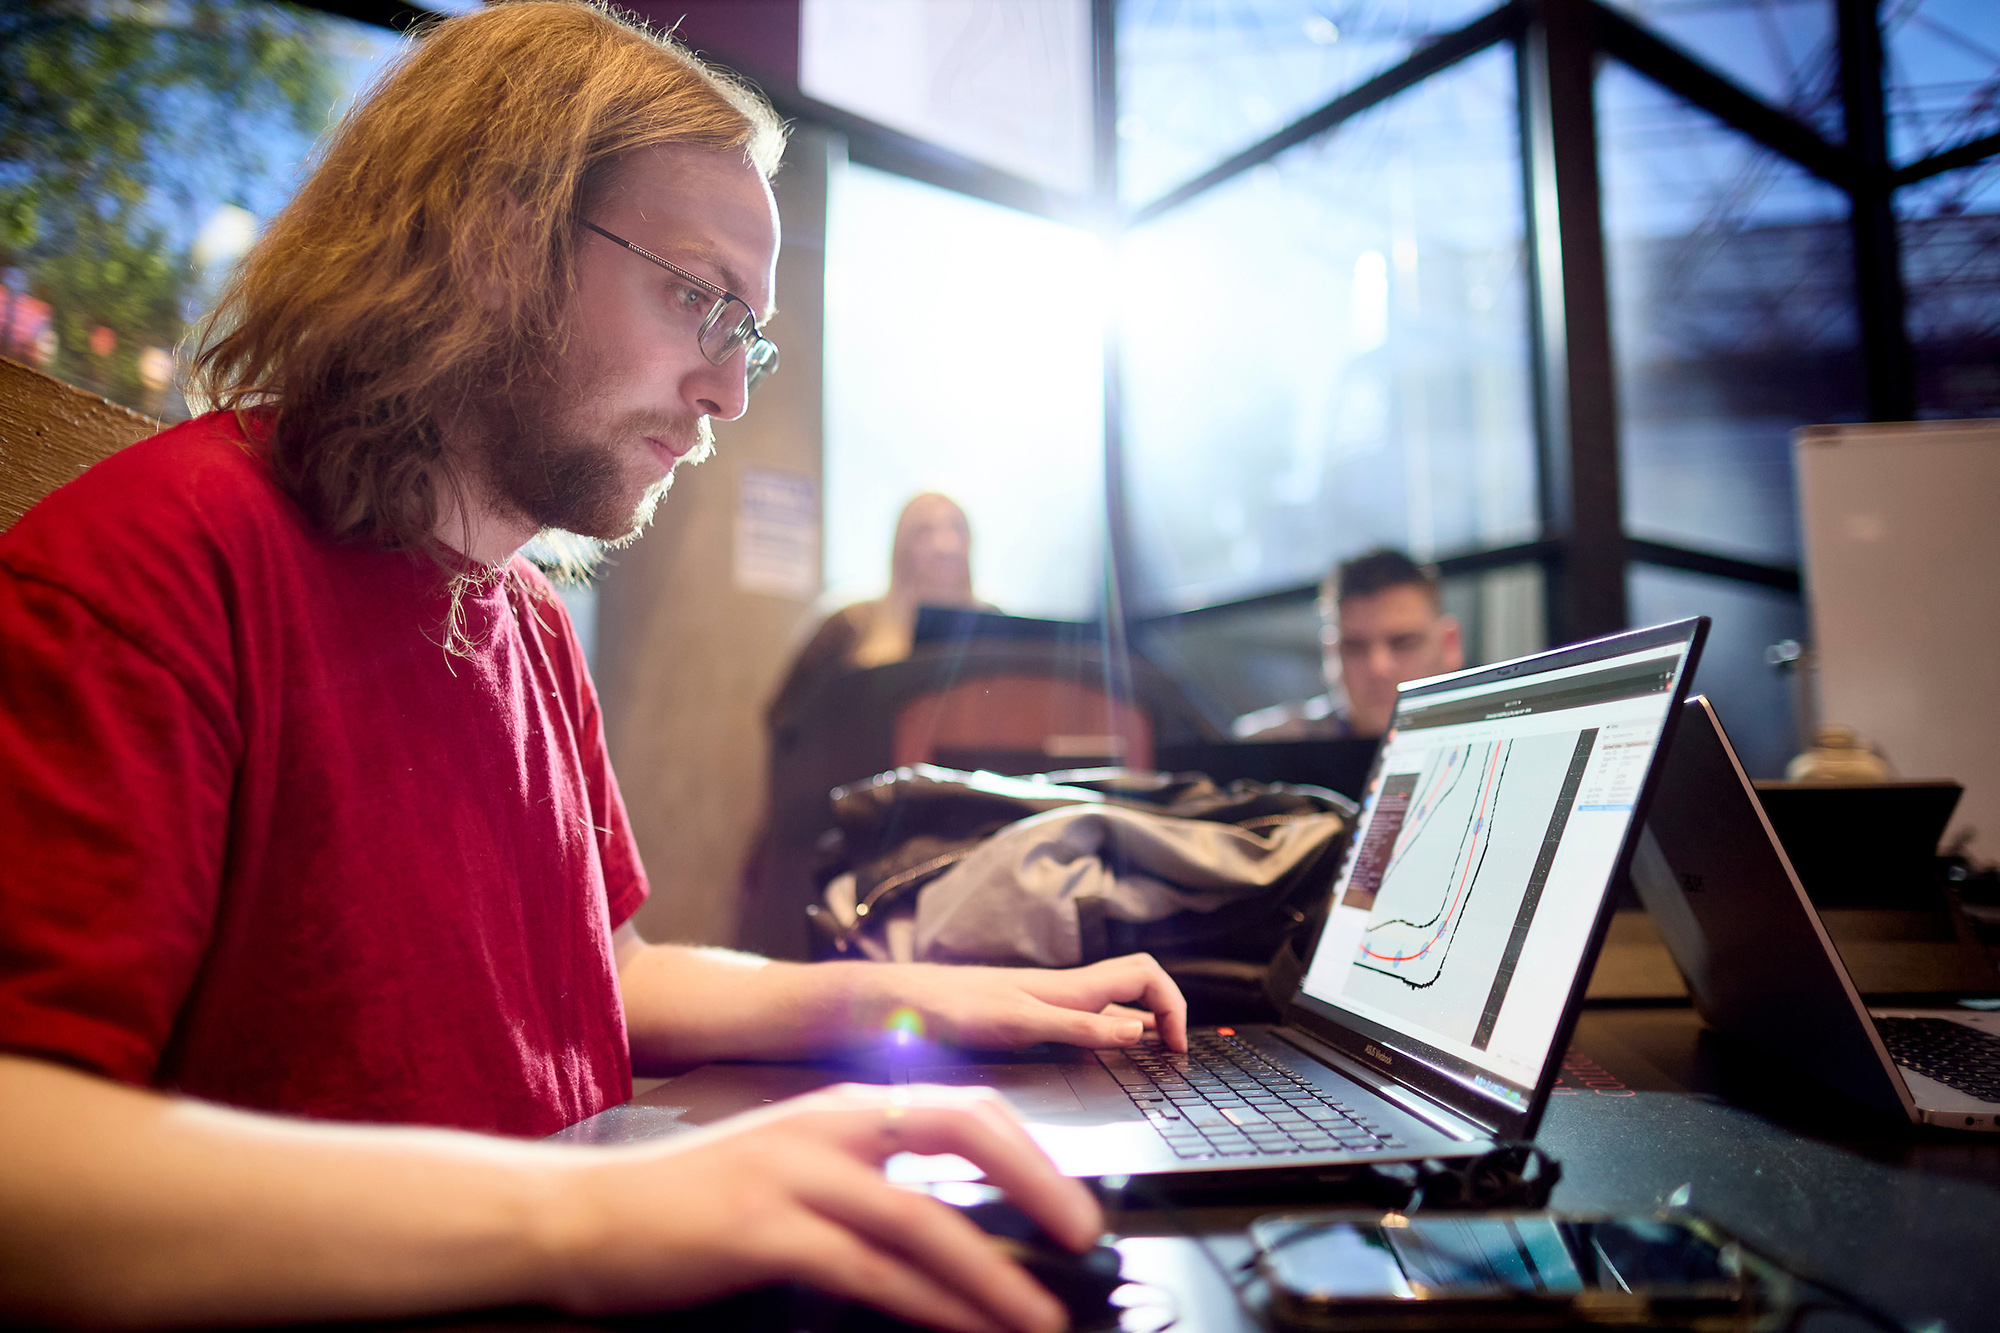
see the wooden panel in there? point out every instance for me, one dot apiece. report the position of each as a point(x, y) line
point(50, 432)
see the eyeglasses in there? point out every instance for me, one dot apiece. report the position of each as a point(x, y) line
point(728, 325)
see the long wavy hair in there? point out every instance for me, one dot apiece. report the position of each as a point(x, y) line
point(429, 257)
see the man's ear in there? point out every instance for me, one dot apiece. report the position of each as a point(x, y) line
point(508, 259)
point(1452, 647)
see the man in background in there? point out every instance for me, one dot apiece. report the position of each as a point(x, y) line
point(1382, 622)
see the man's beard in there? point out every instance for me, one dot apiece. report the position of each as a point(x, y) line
point(538, 461)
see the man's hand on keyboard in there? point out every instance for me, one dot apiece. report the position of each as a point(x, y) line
point(1007, 1008)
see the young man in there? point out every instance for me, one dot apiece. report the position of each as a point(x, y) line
point(303, 789)
point(1382, 623)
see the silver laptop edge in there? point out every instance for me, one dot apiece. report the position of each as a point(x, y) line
point(1756, 956)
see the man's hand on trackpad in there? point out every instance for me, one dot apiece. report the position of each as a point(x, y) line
point(795, 1192)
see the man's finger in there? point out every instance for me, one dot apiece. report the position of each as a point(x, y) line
point(1076, 1026)
point(937, 1240)
point(1136, 979)
point(1100, 1031)
point(1145, 1016)
point(1160, 995)
point(827, 1255)
point(977, 1125)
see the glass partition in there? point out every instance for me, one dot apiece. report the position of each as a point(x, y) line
point(1785, 51)
point(964, 354)
point(1943, 68)
point(1732, 311)
point(1950, 231)
point(1329, 352)
point(1500, 611)
point(1752, 698)
point(1236, 660)
point(1200, 79)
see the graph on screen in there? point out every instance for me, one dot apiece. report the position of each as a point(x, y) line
point(1451, 872)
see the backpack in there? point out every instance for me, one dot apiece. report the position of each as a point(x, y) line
point(934, 864)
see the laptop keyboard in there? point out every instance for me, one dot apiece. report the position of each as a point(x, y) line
point(1225, 1099)
point(1955, 1055)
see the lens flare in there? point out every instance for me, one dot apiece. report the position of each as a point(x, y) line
point(904, 1026)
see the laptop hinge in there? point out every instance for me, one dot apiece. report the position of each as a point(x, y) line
point(1430, 1112)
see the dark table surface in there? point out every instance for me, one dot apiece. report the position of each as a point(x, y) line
point(1651, 1103)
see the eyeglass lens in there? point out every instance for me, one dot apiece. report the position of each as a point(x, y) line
point(729, 327)
point(763, 360)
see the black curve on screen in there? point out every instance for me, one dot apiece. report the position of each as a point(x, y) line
point(1463, 834)
point(1505, 760)
point(1424, 827)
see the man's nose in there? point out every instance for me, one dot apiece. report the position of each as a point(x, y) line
point(721, 392)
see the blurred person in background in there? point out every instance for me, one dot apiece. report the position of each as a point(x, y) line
point(929, 565)
point(1382, 622)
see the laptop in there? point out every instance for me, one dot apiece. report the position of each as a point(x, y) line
point(1431, 1021)
point(1895, 866)
point(1760, 965)
point(961, 626)
point(1338, 763)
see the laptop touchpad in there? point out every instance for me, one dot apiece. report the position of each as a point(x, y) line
point(1032, 1089)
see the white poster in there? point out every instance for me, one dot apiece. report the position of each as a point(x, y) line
point(777, 533)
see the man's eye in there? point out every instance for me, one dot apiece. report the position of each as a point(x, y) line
point(688, 300)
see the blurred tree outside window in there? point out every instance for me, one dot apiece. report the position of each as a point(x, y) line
point(141, 141)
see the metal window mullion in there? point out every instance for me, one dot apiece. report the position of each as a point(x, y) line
point(1969, 153)
point(1688, 559)
point(1570, 325)
point(1889, 368)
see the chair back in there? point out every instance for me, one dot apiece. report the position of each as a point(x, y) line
point(50, 432)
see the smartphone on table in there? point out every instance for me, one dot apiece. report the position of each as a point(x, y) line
point(1360, 1272)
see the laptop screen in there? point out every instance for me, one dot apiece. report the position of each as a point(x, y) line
point(1486, 843)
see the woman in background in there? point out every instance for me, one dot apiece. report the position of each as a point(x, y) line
point(930, 565)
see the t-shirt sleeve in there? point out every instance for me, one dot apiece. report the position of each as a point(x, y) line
point(115, 783)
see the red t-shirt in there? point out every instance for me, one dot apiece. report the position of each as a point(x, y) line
point(263, 842)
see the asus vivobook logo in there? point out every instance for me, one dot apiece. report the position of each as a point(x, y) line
point(1377, 1052)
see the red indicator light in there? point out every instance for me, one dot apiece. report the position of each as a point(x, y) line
point(1225, 1032)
